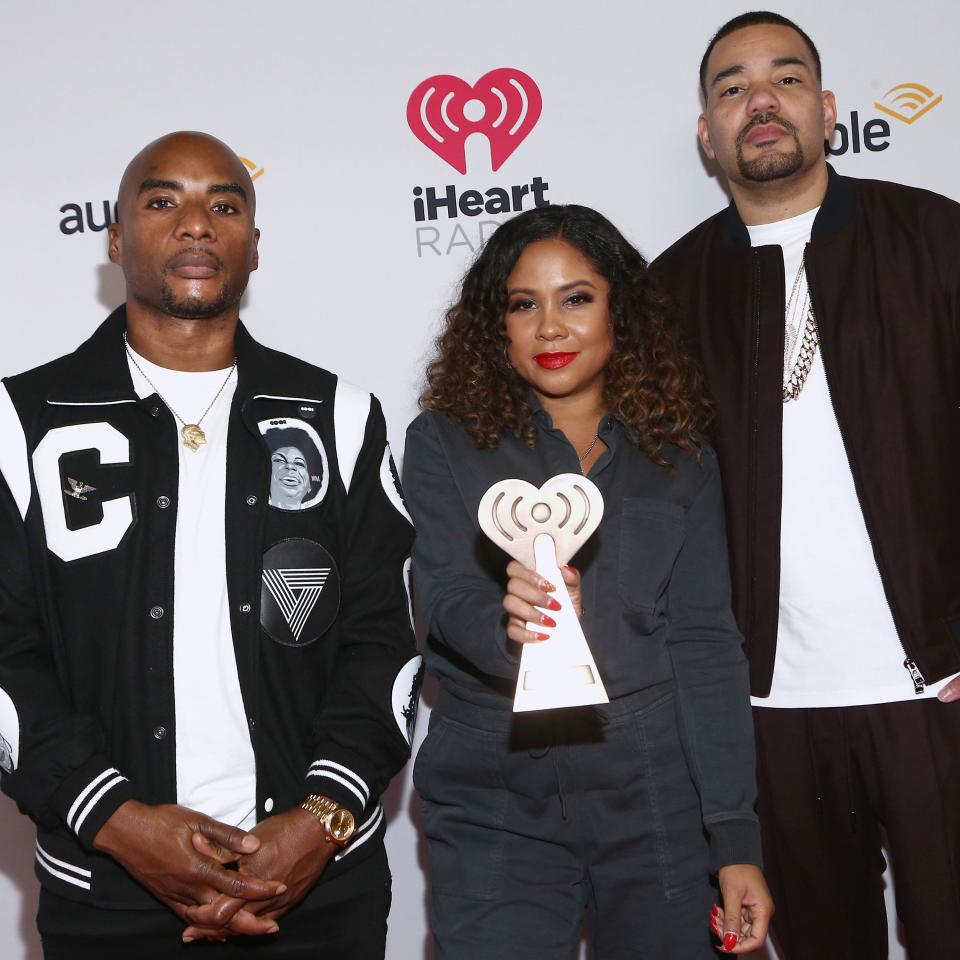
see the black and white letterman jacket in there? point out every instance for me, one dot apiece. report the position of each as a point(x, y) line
point(319, 601)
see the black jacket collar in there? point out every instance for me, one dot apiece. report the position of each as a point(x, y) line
point(837, 210)
point(100, 372)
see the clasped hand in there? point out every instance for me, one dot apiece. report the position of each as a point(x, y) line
point(181, 857)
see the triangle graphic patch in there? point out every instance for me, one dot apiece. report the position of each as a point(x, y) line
point(296, 592)
point(300, 592)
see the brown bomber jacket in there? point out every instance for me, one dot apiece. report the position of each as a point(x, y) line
point(883, 266)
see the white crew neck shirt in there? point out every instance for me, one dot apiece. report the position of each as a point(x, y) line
point(216, 769)
point(836, 640)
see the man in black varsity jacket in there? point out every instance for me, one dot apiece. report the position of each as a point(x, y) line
point(207, 664)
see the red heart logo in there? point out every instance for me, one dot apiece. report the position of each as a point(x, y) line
point(504, 104)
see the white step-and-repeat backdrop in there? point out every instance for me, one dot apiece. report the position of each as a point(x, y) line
point(368, 219)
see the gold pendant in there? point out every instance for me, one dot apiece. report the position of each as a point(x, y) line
point(193, 436)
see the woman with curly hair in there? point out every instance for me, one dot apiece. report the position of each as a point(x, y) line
point(559, 357)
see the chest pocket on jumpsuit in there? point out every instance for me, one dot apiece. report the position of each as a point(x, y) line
point(651, 534)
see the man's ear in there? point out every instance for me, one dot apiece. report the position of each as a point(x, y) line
point(255, 260)
point(115, 247)
point(829, 114)
point(704, 134)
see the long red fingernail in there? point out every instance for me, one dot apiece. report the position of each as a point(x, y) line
point(542, 636)
point(547, 587)
point(547, 621)
point(715, 911)
point(730, 941)
point(552, 604)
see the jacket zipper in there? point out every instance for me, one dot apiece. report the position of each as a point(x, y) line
point(909, 664)
point(754, 439)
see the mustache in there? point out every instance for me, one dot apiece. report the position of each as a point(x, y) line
point(762, 120)
point(195, 252)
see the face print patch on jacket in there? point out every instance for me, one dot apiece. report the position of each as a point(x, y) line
point(299, 476)
point(300, 595)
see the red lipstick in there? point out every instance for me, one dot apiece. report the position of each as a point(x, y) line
point(554, 361)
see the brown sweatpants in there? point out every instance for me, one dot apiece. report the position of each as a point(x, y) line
point(828, 779)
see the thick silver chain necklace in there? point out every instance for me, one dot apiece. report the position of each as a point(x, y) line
point(192, 435)
point(794, 378)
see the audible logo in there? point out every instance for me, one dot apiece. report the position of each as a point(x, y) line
point(79, 217)
point(906, 102)
point(255, 171)
point(911, 102)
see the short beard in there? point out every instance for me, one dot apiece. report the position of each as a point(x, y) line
point(772, 166)
point(194, 309)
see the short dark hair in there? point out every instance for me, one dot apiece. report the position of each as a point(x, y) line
point(753, 19)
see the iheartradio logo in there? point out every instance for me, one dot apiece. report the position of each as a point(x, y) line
point(504, 105)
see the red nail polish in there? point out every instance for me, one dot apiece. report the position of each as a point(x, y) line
point(547, 587)
point(729, 941)
point(552, 604)
point(547, 621)
point(542, 636)
point(715, 911)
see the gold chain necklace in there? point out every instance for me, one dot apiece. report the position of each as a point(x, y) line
point(192, 435)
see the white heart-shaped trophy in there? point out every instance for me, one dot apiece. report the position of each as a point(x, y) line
point(543, 528)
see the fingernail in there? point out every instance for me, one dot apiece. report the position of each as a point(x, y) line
point(188, 939)
point(249, 843)
point(273, 929)
point(281, 889)
point(730, 941)
point(715, 911)
point(547, 621)
point(547, 587)
point(571, 568)
point(542, 636)
point(946, 695)
point(552, 604)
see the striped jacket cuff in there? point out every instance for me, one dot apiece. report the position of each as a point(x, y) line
point(365, 832)
point(89, 797)
point(338, 782)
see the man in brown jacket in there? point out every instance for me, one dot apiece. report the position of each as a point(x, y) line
point(826, 312)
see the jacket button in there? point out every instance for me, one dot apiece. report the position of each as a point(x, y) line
point(251, 501)
point(268, 804)
point(245, 608)
point(159, 732)
point(163, 502)
point(156, 612)
point(154, 411)
point(251, 723)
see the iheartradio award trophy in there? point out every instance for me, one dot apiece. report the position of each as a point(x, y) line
point(543, 529)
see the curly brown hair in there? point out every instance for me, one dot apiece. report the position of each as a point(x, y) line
point(651, 384)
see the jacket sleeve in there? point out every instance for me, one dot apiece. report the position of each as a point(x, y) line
point(53, 759)
point(362, 734)
point(712, 680)
point(458, 598)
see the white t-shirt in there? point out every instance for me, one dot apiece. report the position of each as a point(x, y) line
point(836, 641)
point(216, 770)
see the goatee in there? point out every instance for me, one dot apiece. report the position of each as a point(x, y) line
point(772, 165)
point(193, 308)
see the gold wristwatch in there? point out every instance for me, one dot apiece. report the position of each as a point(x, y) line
point(337, 821)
